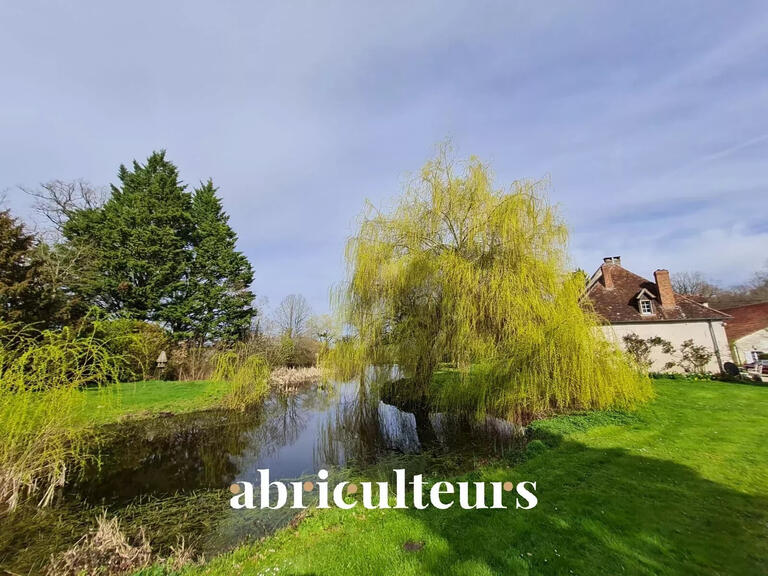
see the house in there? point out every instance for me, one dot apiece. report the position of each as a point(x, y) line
point(748, 332)
point(630, 304)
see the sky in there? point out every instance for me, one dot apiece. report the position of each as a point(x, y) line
point(650, 119)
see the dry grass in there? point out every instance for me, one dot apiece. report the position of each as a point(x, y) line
point(182, 555)
point(104, 551)
point(287, 379)
point(107, 551)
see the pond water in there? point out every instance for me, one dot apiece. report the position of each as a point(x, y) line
point(171, 474)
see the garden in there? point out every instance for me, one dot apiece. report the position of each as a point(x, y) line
point(139, 383)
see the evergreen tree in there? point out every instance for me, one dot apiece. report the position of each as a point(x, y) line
point(156, 252)
point(33, 288)
point(17, 270)
point(141, 243)
point(219, 303)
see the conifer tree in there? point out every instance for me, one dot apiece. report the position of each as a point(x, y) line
point(219, 302)
point(157, 252)
point(141, 242)
point(17, 270)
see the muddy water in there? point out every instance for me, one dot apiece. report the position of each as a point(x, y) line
point(171, 474)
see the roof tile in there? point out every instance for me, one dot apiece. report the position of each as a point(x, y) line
point(619, 304)
point(746, 320)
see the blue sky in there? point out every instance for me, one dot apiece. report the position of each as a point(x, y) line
point(651, 121)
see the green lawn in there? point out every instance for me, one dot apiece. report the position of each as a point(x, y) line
point(140, 399)
point(682, 488)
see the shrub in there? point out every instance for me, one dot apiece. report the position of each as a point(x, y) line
point(640, 349)
point(138, 343)
point(268, 347)
point(305, 351)
point(694, 357)
point(192, 361)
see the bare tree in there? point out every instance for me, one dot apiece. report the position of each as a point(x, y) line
point(753, 291)
point(324, 328)
point(757, 288)
point(694, 284)
point(292, 316)
point(57, 200)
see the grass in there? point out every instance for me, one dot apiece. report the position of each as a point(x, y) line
point(680, 487)
point(143, 399)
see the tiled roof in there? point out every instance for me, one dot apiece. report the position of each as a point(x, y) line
point(746, 320)
point(619, 304)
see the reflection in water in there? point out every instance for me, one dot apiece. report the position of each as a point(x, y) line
point(171, 474)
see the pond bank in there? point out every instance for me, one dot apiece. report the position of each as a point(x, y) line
point(145, 399)
point(170, 475)
point(679, 488)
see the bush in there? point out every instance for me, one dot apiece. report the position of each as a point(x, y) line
point(640, 349)
point(138, 343)
point(283, 350)
point(681, 376)
point(191, 361)
point(694, 357)
point(304, 352)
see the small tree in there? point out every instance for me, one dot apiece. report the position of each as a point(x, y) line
point(694, 357)
point(640, 349)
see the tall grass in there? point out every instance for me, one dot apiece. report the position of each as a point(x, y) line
point(41, 373)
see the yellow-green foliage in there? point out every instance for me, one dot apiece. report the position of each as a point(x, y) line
point(248, 376)
point(41, 374)
point(465, 273)
point(138, 343)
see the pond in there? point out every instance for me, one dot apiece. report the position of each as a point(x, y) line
point(171, 474)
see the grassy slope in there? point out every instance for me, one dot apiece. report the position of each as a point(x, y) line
point(144, 398)
point(682, 489)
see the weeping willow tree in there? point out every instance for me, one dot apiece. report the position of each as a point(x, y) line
point(461, 272)
point(42, 434)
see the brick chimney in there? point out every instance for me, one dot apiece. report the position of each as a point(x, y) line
point(666, 294)
point(609, 263)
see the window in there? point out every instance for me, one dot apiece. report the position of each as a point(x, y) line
point(645, 307)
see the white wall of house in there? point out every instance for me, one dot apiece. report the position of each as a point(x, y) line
point(745, 345)
point(676, 333)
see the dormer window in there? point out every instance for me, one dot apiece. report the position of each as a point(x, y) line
point(646, 307)
point(645, 300)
